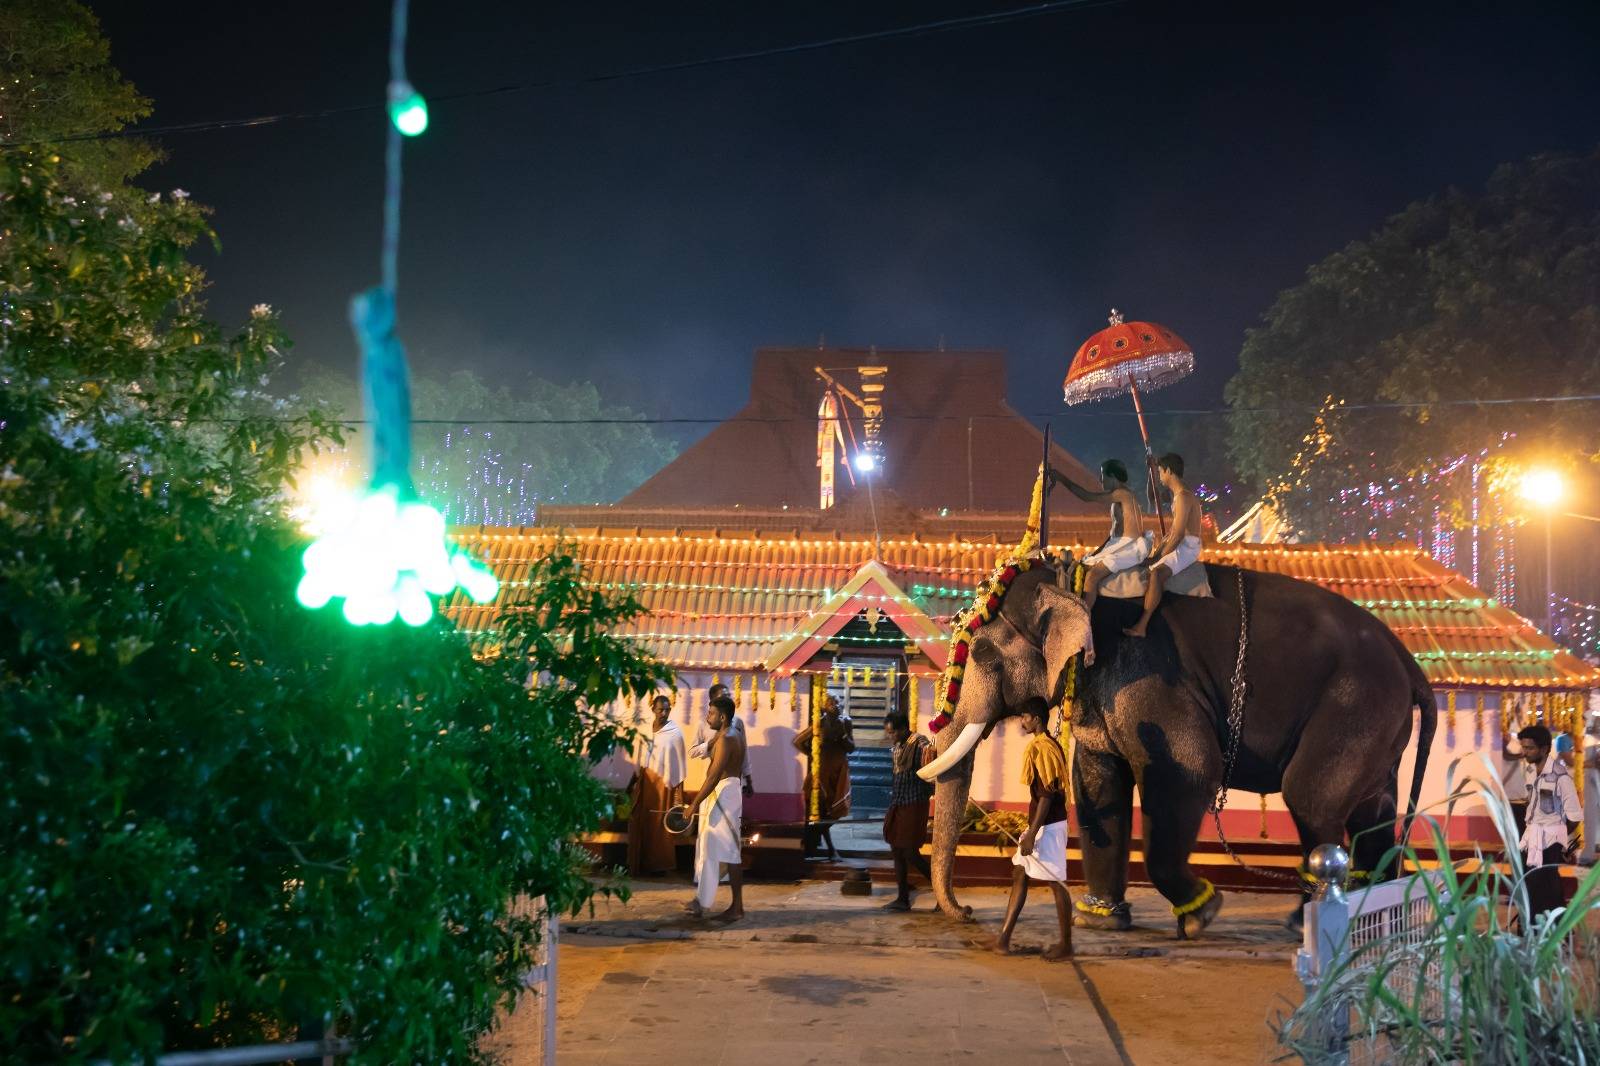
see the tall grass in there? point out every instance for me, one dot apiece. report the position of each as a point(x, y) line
point(1477, 981)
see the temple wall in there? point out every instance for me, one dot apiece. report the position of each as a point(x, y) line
point(778, 769)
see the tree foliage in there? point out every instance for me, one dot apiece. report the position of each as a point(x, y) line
point(222, 814)
point(1464, 296)
point(491, 472)
point(57, 82)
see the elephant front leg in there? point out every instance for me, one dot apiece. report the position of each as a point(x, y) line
point(1174, 805)
point(1102, 789)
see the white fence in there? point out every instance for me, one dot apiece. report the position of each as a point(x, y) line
point(534, 1027)
point(1342, 928)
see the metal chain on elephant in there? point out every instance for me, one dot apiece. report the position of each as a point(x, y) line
point(1235, 732)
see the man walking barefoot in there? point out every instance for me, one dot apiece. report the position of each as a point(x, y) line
point(720, 804)
point(1042, 851)
point(905, 826)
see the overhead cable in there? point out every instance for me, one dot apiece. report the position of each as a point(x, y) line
point(1175, 412)
point(1049, 7)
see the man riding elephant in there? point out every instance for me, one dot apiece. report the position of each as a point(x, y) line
point(1326, 718)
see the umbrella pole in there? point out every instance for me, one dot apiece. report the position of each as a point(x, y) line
point(1153, 483)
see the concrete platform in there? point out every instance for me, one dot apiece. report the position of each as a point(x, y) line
point(728, 996)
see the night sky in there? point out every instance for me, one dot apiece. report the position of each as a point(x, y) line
point(999, 186)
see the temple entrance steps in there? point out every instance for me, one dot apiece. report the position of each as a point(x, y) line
point(871, 777)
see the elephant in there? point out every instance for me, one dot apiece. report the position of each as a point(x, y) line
point(1327, 715)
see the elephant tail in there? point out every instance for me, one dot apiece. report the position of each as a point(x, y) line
point(1427, 725)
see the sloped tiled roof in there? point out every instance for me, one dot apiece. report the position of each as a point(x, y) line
point(951, 441)
point(726, 599)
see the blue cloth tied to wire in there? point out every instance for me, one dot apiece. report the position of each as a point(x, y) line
point(385, 388)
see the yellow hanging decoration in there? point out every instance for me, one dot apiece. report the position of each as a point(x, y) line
point(1577, 778)
point(1030, 536)
point(911, 701)
point(818, 691)
point(866, 676)
point(716, 679)
point(1477, 718)
point(1505, 713)
point(794, 698)
point(738, 691)
point(1450, 714)
point(1263, 816)
point(772, 692)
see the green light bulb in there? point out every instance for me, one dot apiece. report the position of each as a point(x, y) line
point(407, 110)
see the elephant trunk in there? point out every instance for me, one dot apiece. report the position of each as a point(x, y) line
point(949, 811)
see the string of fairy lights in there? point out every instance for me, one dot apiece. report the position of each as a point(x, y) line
point(1421, 509)
point(1577, 625)
point(608, 557)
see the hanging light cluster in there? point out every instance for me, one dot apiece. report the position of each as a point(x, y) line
point(387, 558)
point(384, 551)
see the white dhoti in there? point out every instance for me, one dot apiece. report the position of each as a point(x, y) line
point(719, 841)
point(1185, 555)
point(1121, 553)
point(1049, 859)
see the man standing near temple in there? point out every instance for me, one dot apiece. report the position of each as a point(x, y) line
point(831, 778)
point(1042, 851)
point(657, 786)
point(905, 826)
point(703, 736)
point(1553, 813)
point(719, 847)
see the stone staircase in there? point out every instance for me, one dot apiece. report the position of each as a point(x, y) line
point(871, 775)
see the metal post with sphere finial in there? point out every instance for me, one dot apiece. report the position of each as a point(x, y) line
point(1329, 866)
point(1327, 926)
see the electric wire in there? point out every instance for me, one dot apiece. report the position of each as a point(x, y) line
point(1048, 7)
point(800, 419)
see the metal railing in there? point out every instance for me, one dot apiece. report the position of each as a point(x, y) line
point(1343, 929)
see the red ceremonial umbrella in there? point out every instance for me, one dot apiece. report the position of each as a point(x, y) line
point(1124, 358)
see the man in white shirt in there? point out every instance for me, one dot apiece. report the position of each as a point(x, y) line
point(656, 787)
point(704, 734)
point(1553, 813)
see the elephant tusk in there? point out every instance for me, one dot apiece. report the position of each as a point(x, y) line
point(954, 753)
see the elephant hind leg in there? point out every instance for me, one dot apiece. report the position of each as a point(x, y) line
point(1343, 773)
point(1372, 834)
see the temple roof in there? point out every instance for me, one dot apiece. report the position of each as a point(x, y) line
point(951, 441)
point(733, 599)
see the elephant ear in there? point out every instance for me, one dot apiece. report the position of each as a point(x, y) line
point(1062, 623)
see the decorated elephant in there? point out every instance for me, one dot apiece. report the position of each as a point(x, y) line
point(1326, 717)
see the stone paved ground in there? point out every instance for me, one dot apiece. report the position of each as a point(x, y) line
point(813, 976)
point(662, 1003)
point(1251, 924)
